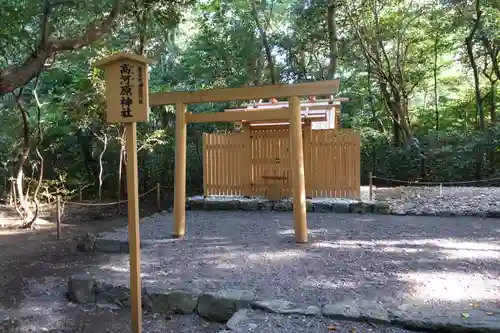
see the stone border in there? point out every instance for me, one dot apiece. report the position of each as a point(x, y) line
point(91, 243)
point(352, 206)
point(230, 306)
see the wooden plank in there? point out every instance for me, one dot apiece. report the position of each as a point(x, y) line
point(217, 164)
point(243, 167)
point(328, 167)
point(280, 124)
point(320, 88)
point(231, 163)
point(213, 180)
point(208, 117)
point(335, 101)
point(340, 174)
point(225, 162)
point(209, 163)
point(357, 164)
point(307, 156)
point(133, 227)
point(246, 160)
point(315, 108)
point(205, 164)
point(251, 109)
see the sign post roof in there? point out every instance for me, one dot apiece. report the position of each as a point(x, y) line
point(123, 56)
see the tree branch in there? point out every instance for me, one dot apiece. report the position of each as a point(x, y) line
point(17, 76)
point(44, 26)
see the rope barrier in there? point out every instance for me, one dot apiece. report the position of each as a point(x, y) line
point(435, 183)
point(104, 203)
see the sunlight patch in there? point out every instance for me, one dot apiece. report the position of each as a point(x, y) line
point(470, 254)
point(115, 268)
point(226, 265)
point(452, 286)
point(318, 231)
point(276, 256)
point(324, 283)
point(446, 248)
point(336, 245)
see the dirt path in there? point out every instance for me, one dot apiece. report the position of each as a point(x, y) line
point(34, 268)
point(34, 254)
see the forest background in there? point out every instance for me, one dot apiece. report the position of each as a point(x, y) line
point(421, 75)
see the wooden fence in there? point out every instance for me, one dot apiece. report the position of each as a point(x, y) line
point(247, 163)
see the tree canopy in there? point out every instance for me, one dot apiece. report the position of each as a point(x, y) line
point(422, 78)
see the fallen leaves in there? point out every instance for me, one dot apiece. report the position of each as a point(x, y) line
point(333, 327)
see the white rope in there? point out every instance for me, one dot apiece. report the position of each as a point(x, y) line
point(104, 203)
point(434, 183)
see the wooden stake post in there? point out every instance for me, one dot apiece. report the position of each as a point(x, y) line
point(127, 101)
point(180, 170)
point(298, 182)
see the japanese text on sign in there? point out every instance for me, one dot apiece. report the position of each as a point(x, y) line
point(126, 90)
point(140, 85)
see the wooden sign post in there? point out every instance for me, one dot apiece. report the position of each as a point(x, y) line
point(127, 101)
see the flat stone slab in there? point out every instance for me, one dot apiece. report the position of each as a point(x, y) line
point(255, 321)
point(220, 306)
point(176, 300)
point(235, 320)
point(448, 320)
point(285, 307)
point(81, 288)
point(113, 294)
point(357, 310)
point(250, 205)
point(107, 245)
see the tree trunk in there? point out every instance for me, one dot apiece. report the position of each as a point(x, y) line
point(436, 98)
point(22, 158)
point(265, 43)
point(101, 168)
point(31, 223)
point(493, 91)
point(377, 123)
point(473, 64)
point(393, 112)
point(493, 110)
point(122, 168)
point(332, 39)
point(477, 88)
point(89, 160)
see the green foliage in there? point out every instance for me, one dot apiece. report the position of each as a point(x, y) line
point(449, 156)
point(216, 43)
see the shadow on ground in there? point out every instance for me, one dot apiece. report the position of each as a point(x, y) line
point(434, 264)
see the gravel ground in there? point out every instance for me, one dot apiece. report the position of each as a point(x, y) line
point(455, 199)
point(434, 264)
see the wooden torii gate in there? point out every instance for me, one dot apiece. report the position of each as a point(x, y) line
point(289, 114)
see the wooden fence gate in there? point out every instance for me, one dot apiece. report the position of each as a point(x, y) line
point(249, 163)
